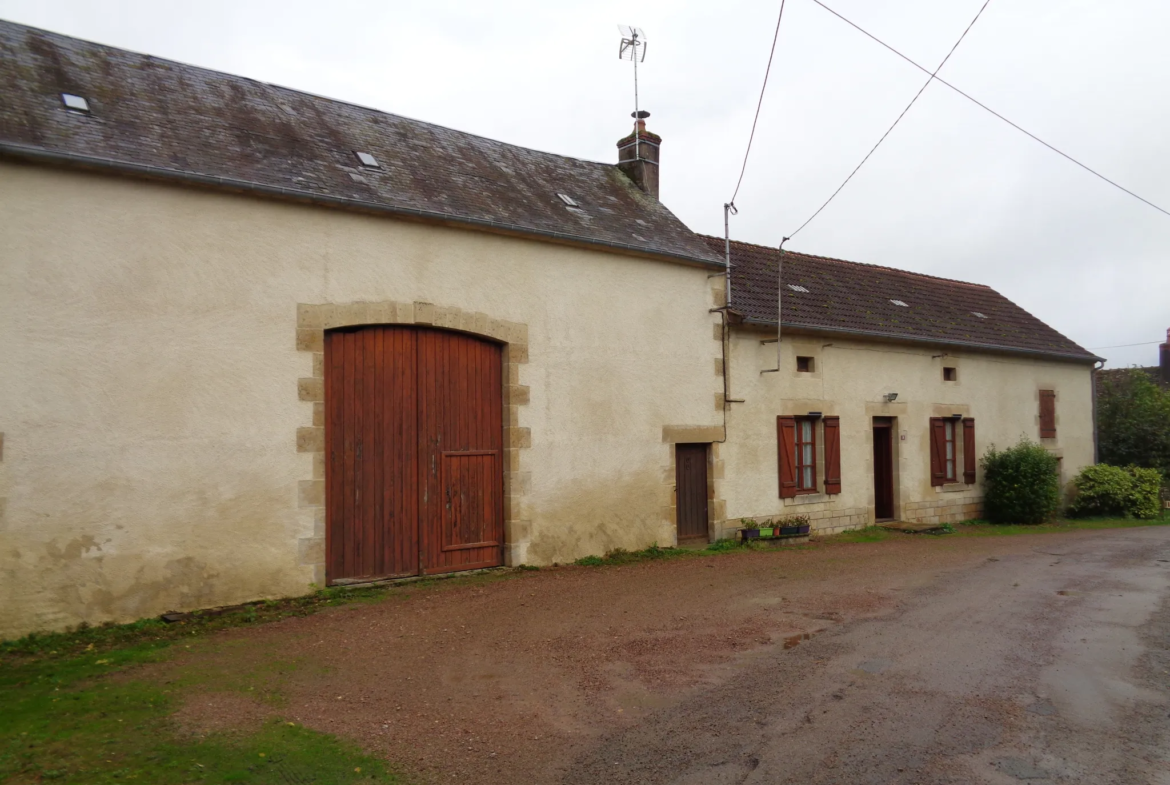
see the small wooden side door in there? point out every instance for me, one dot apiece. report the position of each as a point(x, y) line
point(883, 468)
point(690, 471)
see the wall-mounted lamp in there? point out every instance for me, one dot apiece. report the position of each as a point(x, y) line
point(814, 414)
point(890, 397)
point(956, 416)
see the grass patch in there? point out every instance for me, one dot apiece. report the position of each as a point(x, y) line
point(70, 719)
point(622, 556)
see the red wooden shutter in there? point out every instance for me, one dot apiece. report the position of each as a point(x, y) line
point(786, 446)
point(1047, 414)
point(969, 460)
point(832, 455)
point(938, 451)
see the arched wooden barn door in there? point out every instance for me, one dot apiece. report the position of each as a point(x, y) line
point(414, 453)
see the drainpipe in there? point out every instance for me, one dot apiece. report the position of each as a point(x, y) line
point(1093, 382)
point(779, 295)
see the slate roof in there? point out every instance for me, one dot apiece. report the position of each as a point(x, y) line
point(849, 297)
point(164, 119)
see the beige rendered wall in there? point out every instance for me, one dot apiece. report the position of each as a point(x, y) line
point(158, 410)
point(849, 379)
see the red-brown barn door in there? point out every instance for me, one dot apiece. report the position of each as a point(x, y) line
point(371, 498)
point(414, 458)
point(460, 438)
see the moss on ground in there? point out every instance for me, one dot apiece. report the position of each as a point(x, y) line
point(84, 718)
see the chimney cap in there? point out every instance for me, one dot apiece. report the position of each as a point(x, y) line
point(643, 114)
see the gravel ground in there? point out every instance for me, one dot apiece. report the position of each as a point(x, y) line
point(918, 660)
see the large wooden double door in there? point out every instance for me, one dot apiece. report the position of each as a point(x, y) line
point(413, 456)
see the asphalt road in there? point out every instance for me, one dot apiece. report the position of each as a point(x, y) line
point(1048, 663)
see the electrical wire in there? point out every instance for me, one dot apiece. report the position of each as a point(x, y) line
point(760, 103)
point(1125, 345)
point(895, 124)
point(987, 108)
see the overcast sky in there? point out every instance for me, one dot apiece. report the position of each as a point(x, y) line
point(953, 192)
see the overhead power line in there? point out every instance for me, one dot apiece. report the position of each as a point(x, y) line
point(922, 89)
point(760, 103)
point(1125, 345)
point(987, 108)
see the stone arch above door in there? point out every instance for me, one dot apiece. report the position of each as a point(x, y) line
point(311, 323)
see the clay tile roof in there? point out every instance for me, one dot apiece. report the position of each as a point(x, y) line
point(849, 297)
point(164, 119)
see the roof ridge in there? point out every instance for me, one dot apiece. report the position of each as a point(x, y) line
point(848, 261)
point(305, 93)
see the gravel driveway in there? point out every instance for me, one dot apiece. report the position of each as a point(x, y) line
point(920, 660)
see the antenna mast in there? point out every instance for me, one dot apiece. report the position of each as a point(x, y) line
point(633, 40)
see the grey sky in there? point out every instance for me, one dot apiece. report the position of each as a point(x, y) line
point(953, 191)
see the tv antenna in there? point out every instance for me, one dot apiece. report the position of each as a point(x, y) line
point(633, 48)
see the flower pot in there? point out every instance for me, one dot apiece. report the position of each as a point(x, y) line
point(790, 530)
point(767, 532)
point(802, 528)
point(750, 534)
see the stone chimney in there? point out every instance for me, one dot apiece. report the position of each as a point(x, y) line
point(638, 156)
point(1164, 359)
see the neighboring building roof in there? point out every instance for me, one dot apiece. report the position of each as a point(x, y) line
point(164, 119)
point(849, 297)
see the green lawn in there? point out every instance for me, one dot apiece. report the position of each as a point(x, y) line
point(85, 718)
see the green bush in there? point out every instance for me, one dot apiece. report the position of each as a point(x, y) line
point(1020, 484)
point(1117, 491)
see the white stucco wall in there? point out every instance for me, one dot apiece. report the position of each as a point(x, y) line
point(149, 406)
point(850, 378)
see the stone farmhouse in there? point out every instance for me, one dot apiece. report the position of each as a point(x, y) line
point(256, 340)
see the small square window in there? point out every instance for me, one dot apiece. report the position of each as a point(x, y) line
point(950, 374)
point(804, 365)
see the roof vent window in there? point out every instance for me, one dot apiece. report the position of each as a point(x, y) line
point(568, 200)
point(75, 103)
point(368, 160)
point(899, 303)
point(797, 288)
point(976, 313)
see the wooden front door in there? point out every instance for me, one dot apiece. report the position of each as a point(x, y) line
point(414, 453)
point(690, 472)
point(883, 468)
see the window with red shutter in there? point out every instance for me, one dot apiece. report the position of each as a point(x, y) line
point(942, 451)
point(805, 455)
point(969, 459)
point(832, 455)
point(786, 455)
point(1047, 414)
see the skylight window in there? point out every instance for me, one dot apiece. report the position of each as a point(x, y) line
point(899, 303)
point(568, 200)
point(75, 102)
point(976, 313)
point(368, 160)
point(797, 288)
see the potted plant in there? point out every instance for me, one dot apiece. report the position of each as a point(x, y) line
point(794, 525)
point(750, 530)
point(767, 531)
